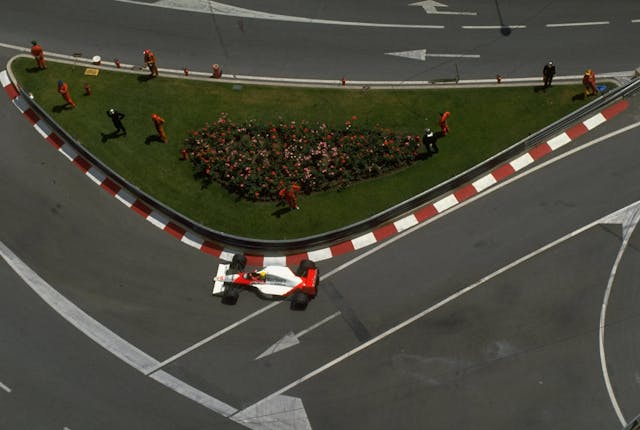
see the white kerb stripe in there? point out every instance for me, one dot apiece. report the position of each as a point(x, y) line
point(68, 151)
point(275, 261)
point(21, 104)
point(4, 78)
point(521, 162)
point(558, 141)
point(42, 128)
point(445, 203)
point(594, 121)
point(96, 175)
point(364, 240)
point(126, 198)
point(405, 223)
point(192, 239)
point(158, 219)
point(320, 254)
point(484, 183)
point(227, 255)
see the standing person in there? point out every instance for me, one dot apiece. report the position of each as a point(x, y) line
point(38, 54)
point(289, 195)
point(150, 61)
point(429, 141)
point(63, 89)
point(444, 127)
point(159, 124)
point(589, 83)
point(116, 118)
point(548, 72)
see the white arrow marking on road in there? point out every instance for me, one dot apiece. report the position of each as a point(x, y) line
point(5, 388)
point(215, 8)
point(430, 6)
point(279, 412)
point(291, 339)
point(422, 55)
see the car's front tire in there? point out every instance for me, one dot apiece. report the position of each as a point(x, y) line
point(299, 301)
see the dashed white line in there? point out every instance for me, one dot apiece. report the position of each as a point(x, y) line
point(492, 27)
point(5, 388)
point(635, 21)
point(577, 24)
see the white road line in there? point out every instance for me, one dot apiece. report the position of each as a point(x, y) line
point(318, 324)
point(635, 21)
point(210, 338)
point(578, 24)
point(5, 388)
point(629, 220)
point(215, 8)
point(104, 337)
point(492, 27)
point(470, 287)
point(439, 305)
point(453, 55)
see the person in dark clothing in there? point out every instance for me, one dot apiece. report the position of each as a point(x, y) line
point(116, 118)
point(548, 72)
point(429, 140)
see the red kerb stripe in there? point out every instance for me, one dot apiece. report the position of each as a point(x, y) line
point(576, 131)
point(385, 231)
point(141, 209)
point(81, 163)
point(342, 248)
point(111, 187)
point(540, 151)
point(465, 192)
point(502, 172)
point(175, 230)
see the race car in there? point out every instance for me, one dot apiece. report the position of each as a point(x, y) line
point(272, 282)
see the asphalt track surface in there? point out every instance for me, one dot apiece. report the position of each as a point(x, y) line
point(519, 350)
point(590, 35)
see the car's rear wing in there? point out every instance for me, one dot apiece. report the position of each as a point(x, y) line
point(218, 286)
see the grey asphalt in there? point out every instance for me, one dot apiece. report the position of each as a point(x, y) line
point(520, 350)
point(272, 48)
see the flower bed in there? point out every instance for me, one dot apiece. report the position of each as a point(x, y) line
point(256, 161)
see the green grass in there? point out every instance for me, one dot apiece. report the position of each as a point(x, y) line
point(483, 122)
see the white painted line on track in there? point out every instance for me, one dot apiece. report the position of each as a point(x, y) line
point(442, 303)
point(629, 220)
point(219, 333)
point(635, 21)
point(492, 27)
point(470, 287)
point(5, 388)
point(453, 55)
point(215, 8)
point(104, 337)
point(577, 24)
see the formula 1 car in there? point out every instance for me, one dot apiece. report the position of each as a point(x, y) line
point(271, 282)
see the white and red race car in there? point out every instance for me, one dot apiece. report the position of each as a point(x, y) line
point(272, 282)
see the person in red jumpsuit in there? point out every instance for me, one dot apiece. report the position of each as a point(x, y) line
point(589, 83)
point(150, 61)
point(38, 54)
point(289, 195)
point(444, 127)
point(158, 122)
point(63, 89)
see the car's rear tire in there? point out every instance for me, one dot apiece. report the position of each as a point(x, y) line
point(238, 263)
point(230, 295)
point(299, 301)
point(304, 267)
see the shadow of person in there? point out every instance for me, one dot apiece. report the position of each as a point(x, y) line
point(33, 69)
point(539, 88)
point(152, 138)
point(578, 97)
point(112, 135)
point(60, 108)
point(144, 78)
point(279, 212)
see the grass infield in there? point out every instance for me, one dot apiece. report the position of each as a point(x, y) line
point(483, 122)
